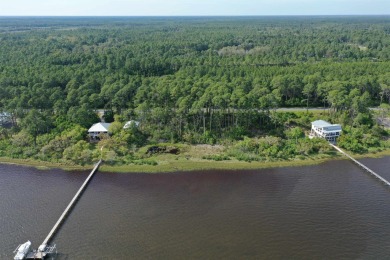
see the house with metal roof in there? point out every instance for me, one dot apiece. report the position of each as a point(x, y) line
point(97, 129)
point(326, 130)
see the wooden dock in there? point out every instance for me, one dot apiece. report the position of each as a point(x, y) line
point(46, 250)
point(384, 181)
point(36, 255)
point(68, 208)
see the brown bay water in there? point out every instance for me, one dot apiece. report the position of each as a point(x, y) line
point(333, 210)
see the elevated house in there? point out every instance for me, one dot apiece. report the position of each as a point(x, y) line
point(326, 130)
point(97, 129)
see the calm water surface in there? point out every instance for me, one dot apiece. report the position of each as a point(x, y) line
point(332, 211)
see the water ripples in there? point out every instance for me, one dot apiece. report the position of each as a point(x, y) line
point(333, 210)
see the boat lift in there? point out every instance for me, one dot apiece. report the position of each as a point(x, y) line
point(23, 251)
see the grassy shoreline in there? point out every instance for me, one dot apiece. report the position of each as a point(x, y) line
point(178, 164)
point(42, 165)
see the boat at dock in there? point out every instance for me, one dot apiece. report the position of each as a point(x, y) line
point(22, 250)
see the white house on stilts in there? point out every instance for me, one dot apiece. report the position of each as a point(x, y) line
point(97, 130)
point(323, 129)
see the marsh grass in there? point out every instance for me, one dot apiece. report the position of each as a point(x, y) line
point(192, 161)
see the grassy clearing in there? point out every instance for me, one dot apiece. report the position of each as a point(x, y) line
point(171, 163)
point(378, 154)
point(42, 165)
point(191, 160)
point(197, 165)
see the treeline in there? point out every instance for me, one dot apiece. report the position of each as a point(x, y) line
point(198, 80)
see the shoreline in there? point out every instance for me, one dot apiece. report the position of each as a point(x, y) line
point(192, 164)
point(42, 165)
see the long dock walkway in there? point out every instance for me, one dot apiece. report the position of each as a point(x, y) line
point(44, 249)
point(384, 181)
point(44, 244)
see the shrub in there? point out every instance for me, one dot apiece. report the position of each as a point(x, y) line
point(79, 153)
point(216, 157)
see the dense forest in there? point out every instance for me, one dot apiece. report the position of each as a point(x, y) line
point(195, 80)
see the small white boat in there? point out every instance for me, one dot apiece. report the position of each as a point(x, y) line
point(22, 251)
